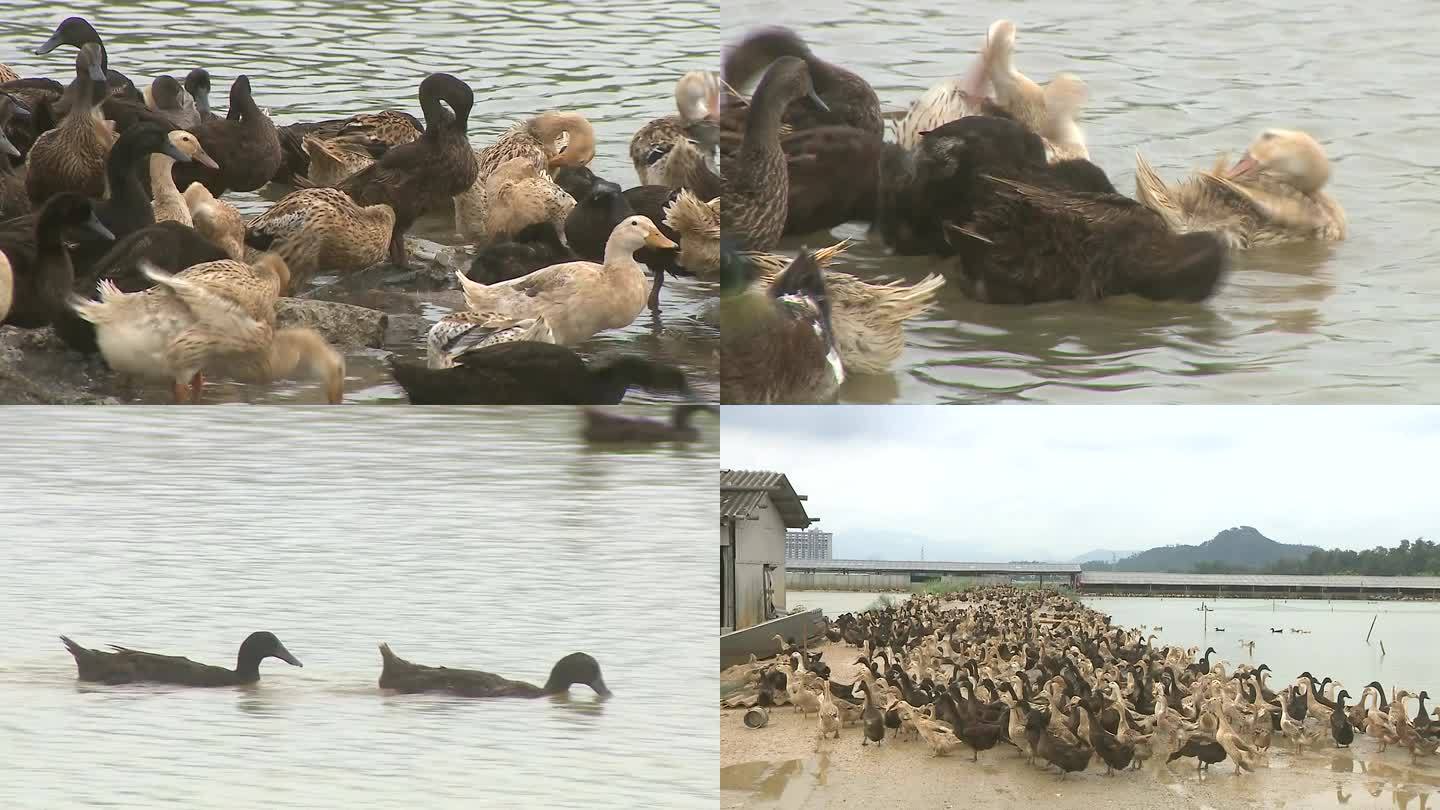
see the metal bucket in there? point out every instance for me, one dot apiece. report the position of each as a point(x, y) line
point(757, 717)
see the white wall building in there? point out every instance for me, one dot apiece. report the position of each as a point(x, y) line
point(756, 507)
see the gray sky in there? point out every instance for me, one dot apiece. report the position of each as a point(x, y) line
point(998, 483)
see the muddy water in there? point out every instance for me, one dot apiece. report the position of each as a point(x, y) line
point(323, 58)
point(1342, 323)
point(491, 539)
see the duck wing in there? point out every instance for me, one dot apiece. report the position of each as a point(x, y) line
point(404, 676)
point(149, 666)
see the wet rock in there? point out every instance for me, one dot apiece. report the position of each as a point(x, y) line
point(406, 329)
point(344, 325)
point(37, 369)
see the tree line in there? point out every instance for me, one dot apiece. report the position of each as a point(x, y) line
point(1419, 557)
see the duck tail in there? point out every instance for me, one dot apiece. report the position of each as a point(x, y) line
point(388, 656)
point(103, 310)
point(1151, 191)
point(75, 649)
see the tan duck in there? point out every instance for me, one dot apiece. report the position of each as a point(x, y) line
point(756, 188)
point(8, 74)
point(169, 204)
point(578, 299)
point(216, 220)
point(868, 319)
point(1274, 194)
point(539, 140)
point(370, 133)
point(945, 101)
point(349, 237)
point(7, 286)
point(666, 153)
point(71, 157)
point(460, 332)
point(216, 318)
point(518, 194)
point(698, 225)
point(334, 160)
point(603, 427)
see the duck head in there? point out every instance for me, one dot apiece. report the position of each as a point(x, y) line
point(261, 645)
point(438, 87)
point(185, 147)
point(88, 65)
point(197, 84)
point(71, 210)
point(577, 181)
point(1290, 155)
point(73, 31)
point(10, 109)
point(787, 80)
point(697, 96)
point(636, 232)
point(747, 58)
point(964, 147)
point(576, 668)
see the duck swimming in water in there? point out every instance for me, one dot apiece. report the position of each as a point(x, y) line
point(403, 676)
point(1273, 194)
point(604, 427)
point(130, 666)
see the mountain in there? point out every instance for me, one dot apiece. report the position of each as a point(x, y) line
point(1240, 547)
point(1101, 555)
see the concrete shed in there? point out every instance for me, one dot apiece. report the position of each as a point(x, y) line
point(756, 507)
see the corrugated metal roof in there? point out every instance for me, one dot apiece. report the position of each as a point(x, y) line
point(934, 565)
point(1262, 580)
point(742, 491)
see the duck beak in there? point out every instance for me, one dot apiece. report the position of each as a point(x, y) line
point(204, 159)
point(50, 44)
point(817, 102)
point(1242, 166)
point(6, 147)
point(97, 73)
point(656, 239)
point(335, 390)
point(284, 655)
point(599, 686)
point(98, 227)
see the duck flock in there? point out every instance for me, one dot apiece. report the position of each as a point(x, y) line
point(122, 665)
point(990, 176)
point(115, 231)
point(1037, 671)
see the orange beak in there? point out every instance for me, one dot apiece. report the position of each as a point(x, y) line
point(656, 239)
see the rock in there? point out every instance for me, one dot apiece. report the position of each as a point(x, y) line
point(406, 329)
point(345, 326)
point(36, 369)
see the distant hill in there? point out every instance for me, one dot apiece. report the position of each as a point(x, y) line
point(1101, 555)
point(1242, 547)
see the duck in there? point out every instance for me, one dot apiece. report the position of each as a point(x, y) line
point(7, 295)
point(77, 32)
point(601, 206)
point(133, 666)
point(946, 101)
point(128, 208)
point(697, 224)
point(1340, 729)
point(424, 174)
point(244, 145)
point(777, 343)
point(40, 264)
point(534, 247)
point(14, 200)
point(604, 427)
point(518, 193)
point(1274, 194)
point(402, 676)
point(578, 299)
point(372, 134)
point(672, 151)
point(331, 161)
point(1070, 756)
point(168, 204)
point(537, 140)
point(868, 318)
point(828, 718)
point(71, 157)
point(464, 331)
point(1018, 242)
point(1241, 752)
point(534, 373)
point(756, 188)
point(216, 318)
point(849, 100)
point(169, 98)
point(349, 236)
point(1048, 111)
point(217, 220)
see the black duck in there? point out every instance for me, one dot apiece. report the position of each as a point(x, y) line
point(533, 373)
point(40, 261)
point(425, 174)
point(77, 33)
point(130, 666)
point(604, 427)
point(403, 676)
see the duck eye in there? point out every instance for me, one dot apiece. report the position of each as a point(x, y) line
point(1265, 136)
point(657, 152)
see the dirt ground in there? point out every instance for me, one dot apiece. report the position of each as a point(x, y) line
point(781, 766)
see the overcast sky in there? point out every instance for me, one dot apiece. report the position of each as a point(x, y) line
point(998, 483)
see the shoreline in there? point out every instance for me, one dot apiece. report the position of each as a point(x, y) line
point(781, 766)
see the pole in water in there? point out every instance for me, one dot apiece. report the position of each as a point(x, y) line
point(1382, 648)
point(1372, 628)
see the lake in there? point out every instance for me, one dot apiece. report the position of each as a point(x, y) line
point(1348, 322)
point(491, 539)
point(323, 59)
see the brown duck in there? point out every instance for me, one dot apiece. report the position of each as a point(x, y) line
point(403, 676)
point(245, 146)
point(603, 427)
point(130, 666)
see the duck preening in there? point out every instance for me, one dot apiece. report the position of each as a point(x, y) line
point(403, 676)
point(125, 665)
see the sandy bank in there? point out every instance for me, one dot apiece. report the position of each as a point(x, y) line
point(780, 766)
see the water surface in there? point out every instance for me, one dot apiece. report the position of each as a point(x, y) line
point(318, 59)
point(1355, 321)
point(491, 539)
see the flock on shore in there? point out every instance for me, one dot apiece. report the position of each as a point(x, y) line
point(115, 231)
point(1038, 673)
point(122, 665)
point(989, 175)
